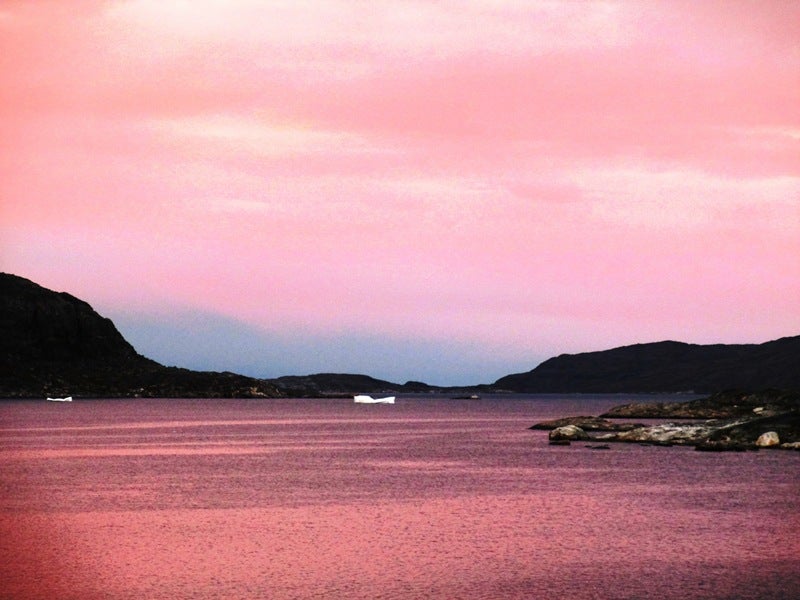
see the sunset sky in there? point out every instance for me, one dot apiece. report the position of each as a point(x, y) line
point(443, 191)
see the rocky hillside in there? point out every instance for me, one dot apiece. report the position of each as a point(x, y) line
point(41, 326)
point(54, 344)
point(666, 367)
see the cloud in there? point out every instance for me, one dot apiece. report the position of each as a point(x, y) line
point(688, 199)
point(508, 173)
point(255, 137)
point(407, 29)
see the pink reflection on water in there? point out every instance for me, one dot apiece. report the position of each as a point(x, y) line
point(147, 451)
point(442, 503)
point(478, 547)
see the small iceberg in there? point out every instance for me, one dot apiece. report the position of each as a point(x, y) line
point(67, 399)
point(370, 400)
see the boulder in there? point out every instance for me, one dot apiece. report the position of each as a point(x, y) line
point(768, 439)
point(568, 433)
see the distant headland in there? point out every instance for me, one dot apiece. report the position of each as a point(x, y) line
point(52, 344)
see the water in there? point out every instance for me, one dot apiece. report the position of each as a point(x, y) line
point(429, 498)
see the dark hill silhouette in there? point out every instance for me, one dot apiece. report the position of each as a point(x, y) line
point(345, 384)
point(53, 344)
point(41, 326)
point(329, 384)
point(666, 367)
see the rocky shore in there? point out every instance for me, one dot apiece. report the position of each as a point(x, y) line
point(726, 421)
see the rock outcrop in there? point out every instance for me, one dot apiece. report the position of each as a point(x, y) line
point(587, 424)
point(722, 405)
point(749, 421)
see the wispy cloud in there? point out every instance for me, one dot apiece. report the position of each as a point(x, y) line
point(537, 174)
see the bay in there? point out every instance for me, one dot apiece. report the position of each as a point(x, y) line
point(427, 498)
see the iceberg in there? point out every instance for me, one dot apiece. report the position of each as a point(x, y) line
point(67, 399)
point(361, 399)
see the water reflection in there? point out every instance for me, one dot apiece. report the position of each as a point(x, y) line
point(282, 499)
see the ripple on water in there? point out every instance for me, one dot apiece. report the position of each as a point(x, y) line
point(279, 500)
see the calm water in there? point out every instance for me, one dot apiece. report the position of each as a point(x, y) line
point(429, 498)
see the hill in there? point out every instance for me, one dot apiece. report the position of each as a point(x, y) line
point(666, 367)
point(54, 344)
point(332, 384)
point(346, 384)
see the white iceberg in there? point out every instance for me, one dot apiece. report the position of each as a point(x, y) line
point(67, 399)
point(361, 399)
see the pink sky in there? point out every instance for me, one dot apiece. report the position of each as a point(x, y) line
point(448, 191)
